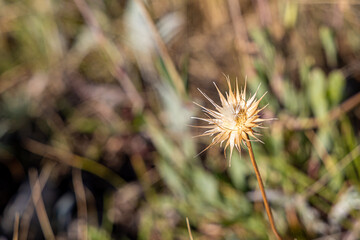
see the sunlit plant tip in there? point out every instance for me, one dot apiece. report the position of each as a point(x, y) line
point(234, 121)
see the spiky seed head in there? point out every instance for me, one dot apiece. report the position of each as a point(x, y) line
point(234, 121)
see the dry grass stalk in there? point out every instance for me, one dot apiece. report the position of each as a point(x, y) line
point(29, 210)
point(189, 229)
point(80, 195)
point(40, 206)
point(16, 227)
point(263, 194)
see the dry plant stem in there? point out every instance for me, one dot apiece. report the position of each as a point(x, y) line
point(16, 227)
point(189, 229)
point(80, 202)
point(309, 123)
point(240, 31)
point(163, 52)
point(336, 169)
point(108, 46)
point(261, 185)
point(39, 205)
point(26, 216)
point(75, 161)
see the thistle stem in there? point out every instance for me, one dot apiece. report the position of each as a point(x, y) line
point(261, 185)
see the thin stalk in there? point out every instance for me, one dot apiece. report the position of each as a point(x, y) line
point(189, 229)
point(261, 185)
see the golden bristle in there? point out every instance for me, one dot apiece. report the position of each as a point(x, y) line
point(234, 120)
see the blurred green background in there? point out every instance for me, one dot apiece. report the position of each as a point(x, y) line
point(95, 106)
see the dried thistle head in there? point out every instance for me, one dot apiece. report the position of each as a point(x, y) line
point(234, 121)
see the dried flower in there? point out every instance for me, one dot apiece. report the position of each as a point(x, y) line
point(234, 121)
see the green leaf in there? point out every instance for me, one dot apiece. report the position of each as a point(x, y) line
point(172, 179)
point(328, 43)
point(97, 234)
point(267, 49)
point(206, 184)
point(336, 87)
point(291, 99)
point(317, 90)
point(238, 171)
point(85, 125)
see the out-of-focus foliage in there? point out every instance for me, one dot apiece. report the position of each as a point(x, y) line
point(107, 87)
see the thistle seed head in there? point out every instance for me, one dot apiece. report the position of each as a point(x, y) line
point(234, 121)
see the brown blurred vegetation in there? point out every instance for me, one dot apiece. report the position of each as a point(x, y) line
point(95, 106)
